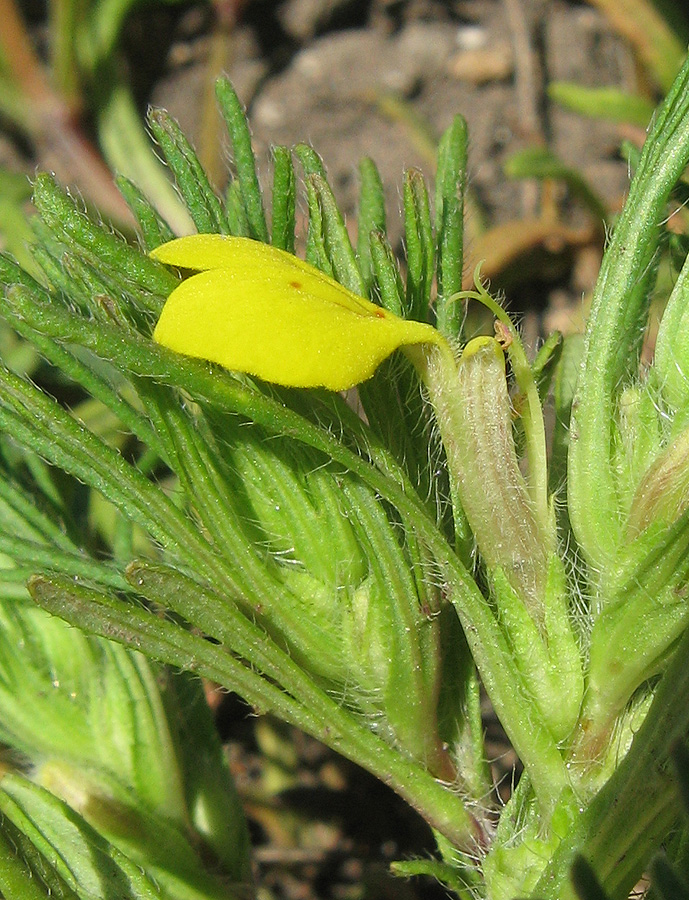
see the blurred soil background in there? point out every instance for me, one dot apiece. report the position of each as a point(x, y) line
point(378, 78)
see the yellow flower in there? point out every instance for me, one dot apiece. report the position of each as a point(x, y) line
point(259, 310)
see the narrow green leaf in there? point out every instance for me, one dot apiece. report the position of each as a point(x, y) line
point(398, 632)
point(11, 273)
point(244, 159)
point(284, 199)
point(194, 462)
point(135, 626)
point(310, 160)
point(337, 243)
point(419, 241)
point(566, 373)
point(217, 616)
point(671, 360)
point(72, 851)
point(109, 252)
point(316, 253)
point(202, 202)
point(43, 558)
point(371, 217)
point(212, 799)
point(297, 502)
point(154, 229)
point(37, 520)
point(99, 300)
point(18, 881)
point(316, 249)
point(386, 272)
point(546, 362)
point(44, 478)
point(448, 875)
point(53, 273)
point(449, 225)
point(234, 207)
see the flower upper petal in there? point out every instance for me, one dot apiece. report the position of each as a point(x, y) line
point(256, 309)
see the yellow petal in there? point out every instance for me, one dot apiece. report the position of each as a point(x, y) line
point(256, 309)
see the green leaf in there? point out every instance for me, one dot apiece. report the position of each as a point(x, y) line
point(316, 252)
point(388, 280)
point(310, 160)
point(546, 362)
point(447, 875)
point(419, 242)
point(244, 159)
point(106, 251)
point(39, 557)
point(449, 225)
point(28, 514)
point(154, 229)
point(236, 214)
point(284, 200)
point(72, 852)
point(336, 239)
point(203, 204)
point(86, 373)
point(371, 218)
point(40, 424)
point(671, 359)
point(18, 881)
point(211, 796)
point(566, 372)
